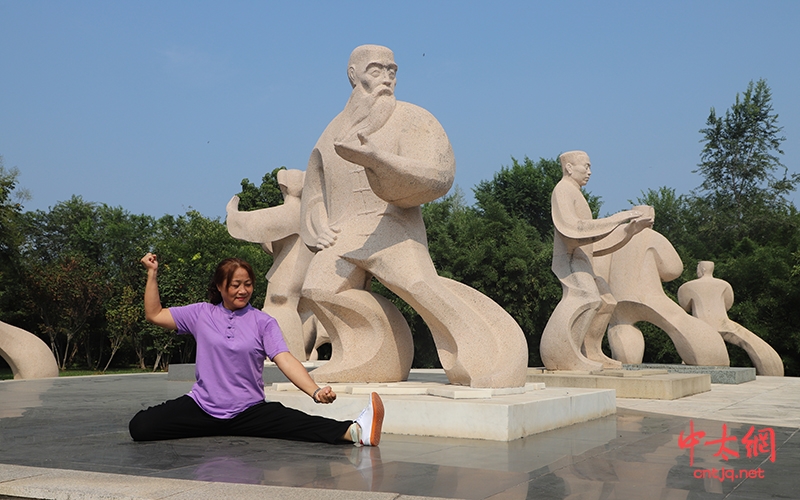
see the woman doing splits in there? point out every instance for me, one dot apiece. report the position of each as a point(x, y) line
point(233, 339)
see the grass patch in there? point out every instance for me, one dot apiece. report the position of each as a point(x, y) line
point(111, 371)
point(7, 374)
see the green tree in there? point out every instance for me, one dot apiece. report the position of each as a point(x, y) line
point(671, 212)
point(192, 245)
point(105, 239)
point(103, 245)
point(268, 194)
point(9, 211)
point(11, 238)
point(67, 293)
point(740, 219)
point(740, 162)
point(125, 315)
point(746, 224)
point(524, 190)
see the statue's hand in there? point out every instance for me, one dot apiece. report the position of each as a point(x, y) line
point(626, 215)
point(640, 224)
point(361, 153)
point(233, 205)
point(327, 237)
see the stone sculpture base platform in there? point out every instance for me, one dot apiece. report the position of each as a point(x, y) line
point(719, 374)
point(638, 384)
point(427, 405)
point(435, 409)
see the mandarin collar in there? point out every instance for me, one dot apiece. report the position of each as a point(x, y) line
point(238, 312)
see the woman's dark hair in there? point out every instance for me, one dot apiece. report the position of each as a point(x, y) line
point(224, 274)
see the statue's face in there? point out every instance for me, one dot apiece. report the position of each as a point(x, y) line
point(379, 74)
point(580, 170)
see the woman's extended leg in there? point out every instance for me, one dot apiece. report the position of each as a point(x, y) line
point(271, 419)
point(173, 419)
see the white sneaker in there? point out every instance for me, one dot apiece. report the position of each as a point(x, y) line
point(371, 421)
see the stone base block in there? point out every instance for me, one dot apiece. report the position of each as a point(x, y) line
point(639, 384)
point(719, 374)
point(436, 409)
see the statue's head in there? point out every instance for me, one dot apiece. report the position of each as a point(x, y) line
point(705, 268)
point(576, 165)
point(372, 68)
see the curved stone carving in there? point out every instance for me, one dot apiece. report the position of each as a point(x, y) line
point(26, 354)
point(313, 332)
point(376, 343)
point(634, 274)
point(709, 298)
point(371, 168)
point(468, 367)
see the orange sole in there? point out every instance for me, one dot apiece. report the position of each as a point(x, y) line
point(377, 419)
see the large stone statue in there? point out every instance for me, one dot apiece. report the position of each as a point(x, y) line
point(277, 230)
point(370, 171)
point(634, 274)
point(709, 299)
point(26, 354)
point(571, 339)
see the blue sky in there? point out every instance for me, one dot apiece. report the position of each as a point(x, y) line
point(160, 107)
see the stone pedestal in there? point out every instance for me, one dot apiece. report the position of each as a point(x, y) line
point(718, 374)
point(641, 384)
point(427, 405)
point(436, 409)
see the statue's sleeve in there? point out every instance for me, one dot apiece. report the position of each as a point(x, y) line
point(572, 216)
point(423, 167)
point(312, 208)
point(264, 225)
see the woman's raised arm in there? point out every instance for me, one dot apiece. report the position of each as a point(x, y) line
point(153, 311)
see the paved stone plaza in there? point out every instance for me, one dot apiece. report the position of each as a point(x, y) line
point(67, 438)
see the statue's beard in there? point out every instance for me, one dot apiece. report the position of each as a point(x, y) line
point(365, 114)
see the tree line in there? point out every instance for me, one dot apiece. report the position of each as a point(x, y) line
point(71, 274)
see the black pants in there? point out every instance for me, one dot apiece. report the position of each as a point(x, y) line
point(182, 418)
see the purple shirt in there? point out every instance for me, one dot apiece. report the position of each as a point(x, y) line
point(231, 347)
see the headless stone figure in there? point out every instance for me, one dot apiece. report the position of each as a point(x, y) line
point(709, 298)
